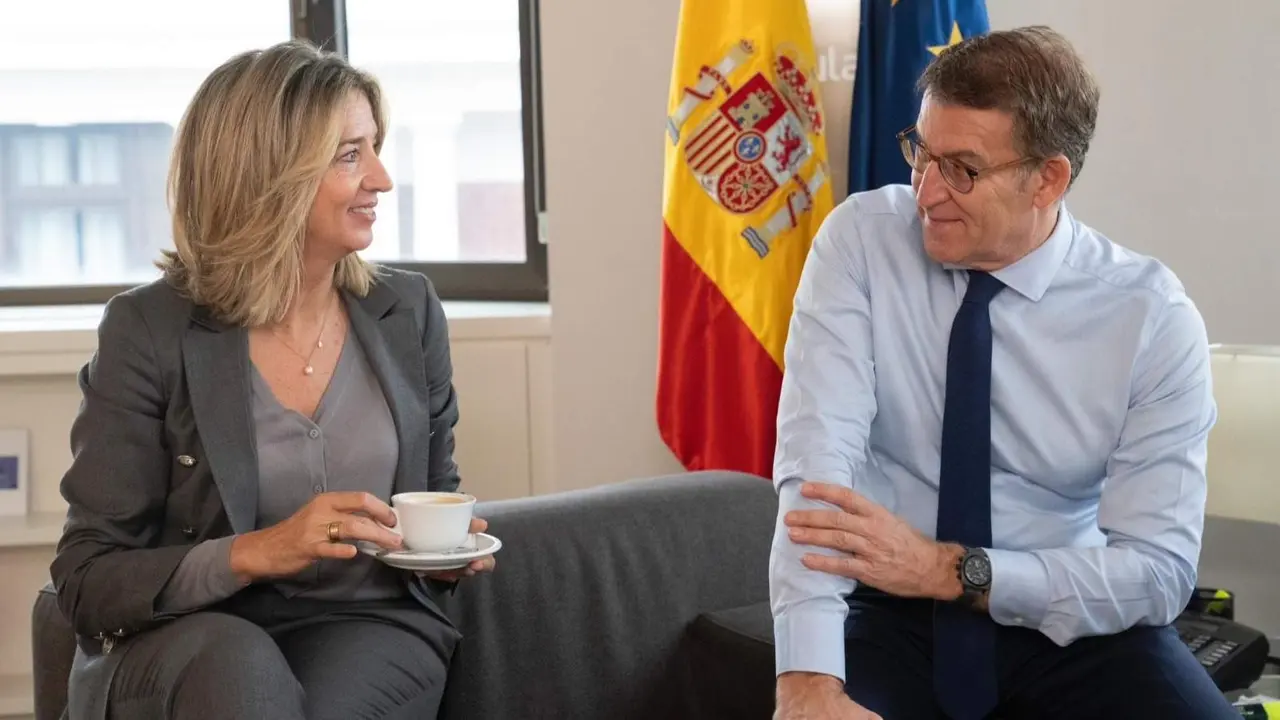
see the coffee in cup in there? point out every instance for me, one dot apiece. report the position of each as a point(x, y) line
point(432, 521)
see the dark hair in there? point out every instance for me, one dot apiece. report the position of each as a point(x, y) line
point(1033, 74)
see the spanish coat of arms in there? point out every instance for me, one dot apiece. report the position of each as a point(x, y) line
point(756, 141)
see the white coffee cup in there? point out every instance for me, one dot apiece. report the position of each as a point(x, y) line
point(432, 521)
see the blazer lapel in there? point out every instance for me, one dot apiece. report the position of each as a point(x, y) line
point(389, 334)
point(216, 359)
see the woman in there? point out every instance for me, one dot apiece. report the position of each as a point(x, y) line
point(245, 420)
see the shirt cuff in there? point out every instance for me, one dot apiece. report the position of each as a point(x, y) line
point(810, 640)
point(1019, 588)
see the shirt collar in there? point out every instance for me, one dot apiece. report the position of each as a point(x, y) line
point(1031, 275)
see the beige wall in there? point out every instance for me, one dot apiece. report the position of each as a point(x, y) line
point(1183, 167)
point(1243, 452)
point(606, 68)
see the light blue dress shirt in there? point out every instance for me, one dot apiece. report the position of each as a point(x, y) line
point(1101, 406)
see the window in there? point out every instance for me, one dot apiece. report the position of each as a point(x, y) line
point(74, 214)
point(92, 98)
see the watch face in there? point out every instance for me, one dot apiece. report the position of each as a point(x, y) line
point(977, 571)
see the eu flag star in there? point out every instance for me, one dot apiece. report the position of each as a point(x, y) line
point(894, 40)
point(955, 39)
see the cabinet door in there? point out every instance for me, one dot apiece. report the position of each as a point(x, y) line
point(492, 437)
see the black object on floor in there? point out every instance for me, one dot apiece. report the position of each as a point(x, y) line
point(733, 662)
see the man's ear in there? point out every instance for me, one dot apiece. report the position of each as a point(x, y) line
point(1054, 175)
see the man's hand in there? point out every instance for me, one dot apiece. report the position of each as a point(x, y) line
point(812, 696)
point(883, 551)
point(487, 564)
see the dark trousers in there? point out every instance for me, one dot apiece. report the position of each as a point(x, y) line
point(262, 656)
point(1144, 672)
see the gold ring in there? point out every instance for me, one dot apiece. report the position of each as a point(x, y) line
point(334, 527)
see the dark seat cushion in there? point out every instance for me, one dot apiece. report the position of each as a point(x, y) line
point(733, 661)
point(53, 647)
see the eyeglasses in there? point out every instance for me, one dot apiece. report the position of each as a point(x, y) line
point(957, 174)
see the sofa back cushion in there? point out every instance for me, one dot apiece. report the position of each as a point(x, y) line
point(588, 612)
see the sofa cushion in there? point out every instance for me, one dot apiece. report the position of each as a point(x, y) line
point(589, 611)
point(733, 660)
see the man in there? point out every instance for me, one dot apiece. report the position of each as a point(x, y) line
point(992, 431)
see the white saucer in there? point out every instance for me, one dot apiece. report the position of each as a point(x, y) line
point(478, 545)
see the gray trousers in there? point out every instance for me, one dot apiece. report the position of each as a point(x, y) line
point(287, 660)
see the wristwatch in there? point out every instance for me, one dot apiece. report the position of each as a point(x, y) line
point(974, 570)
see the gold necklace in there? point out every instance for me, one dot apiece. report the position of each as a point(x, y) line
point(307, 368)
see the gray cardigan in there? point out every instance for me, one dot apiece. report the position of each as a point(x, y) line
point(164, 454)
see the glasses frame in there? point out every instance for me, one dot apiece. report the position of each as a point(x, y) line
point(910, 147)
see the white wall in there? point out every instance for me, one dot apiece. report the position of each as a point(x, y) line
point(1185, 167)
point(1186, 162)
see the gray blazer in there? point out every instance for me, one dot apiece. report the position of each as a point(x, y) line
point(169, 384)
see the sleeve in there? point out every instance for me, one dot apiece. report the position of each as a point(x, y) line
point(442, 471)
point(824, 420)
point(203, 578)
point(107, 569)
point(1152, 506)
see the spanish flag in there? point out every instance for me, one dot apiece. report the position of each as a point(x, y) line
point(746, 186)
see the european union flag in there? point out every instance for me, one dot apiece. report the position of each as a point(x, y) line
point(897, 39)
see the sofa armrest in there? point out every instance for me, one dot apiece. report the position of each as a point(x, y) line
point(53, 648)
point(587, 611)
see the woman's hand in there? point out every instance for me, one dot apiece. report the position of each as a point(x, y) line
point(478, 525)
point(293, 545)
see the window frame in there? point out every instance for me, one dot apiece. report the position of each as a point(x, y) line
point(323, 22)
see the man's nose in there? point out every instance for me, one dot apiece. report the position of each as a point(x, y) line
point(932, 189)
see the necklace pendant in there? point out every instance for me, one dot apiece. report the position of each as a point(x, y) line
point(308, 370)
point(320, 344)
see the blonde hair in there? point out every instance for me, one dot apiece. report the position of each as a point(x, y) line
point(248, 158)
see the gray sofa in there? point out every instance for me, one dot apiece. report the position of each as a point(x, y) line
point(591, 610)
point(647, 599)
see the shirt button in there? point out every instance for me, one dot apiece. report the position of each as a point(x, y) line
point(313, 433)
point(186, 461)
point(317, 489)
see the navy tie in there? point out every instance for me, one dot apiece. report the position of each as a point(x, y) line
point(964, 674)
